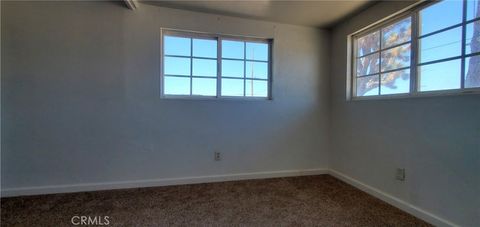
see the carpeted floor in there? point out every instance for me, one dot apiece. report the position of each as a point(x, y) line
point(294, 201)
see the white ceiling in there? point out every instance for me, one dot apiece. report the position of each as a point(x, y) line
point(320, 13)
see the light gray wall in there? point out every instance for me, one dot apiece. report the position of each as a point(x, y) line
point(80, 104)
point(436, 139)
point(80, 99)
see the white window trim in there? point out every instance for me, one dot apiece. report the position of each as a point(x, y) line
point(413, 12)
point(219, 38)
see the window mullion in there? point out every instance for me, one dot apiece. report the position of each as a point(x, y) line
point(414, 51)
point(191, 65)
point(219, 66)
point(244, 69)
point(380, 38)
point(464, 34)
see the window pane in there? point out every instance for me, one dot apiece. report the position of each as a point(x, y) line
point(368, 44)
point(204, 86)
point(256, 88)
point(397, 33)
point(232, 68)
point(473, 9)
point(176, 46)
point(440, 15)
point(176, 85)
point(368, 65)
point(473, 38)
point(367, 86)
point(204, 67)
point(395, 58)
point(442, 45)
point(232, 49)
point(232, 87)
point(440, 76)
point(396, 82)
point(472, 72)
point(257, 70)
point(257, 51)
point(205, 48)
point(177, 66)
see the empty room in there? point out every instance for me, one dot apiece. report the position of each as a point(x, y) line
point(240, 113)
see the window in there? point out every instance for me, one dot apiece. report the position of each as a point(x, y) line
point(201, 65)
point(433, 47)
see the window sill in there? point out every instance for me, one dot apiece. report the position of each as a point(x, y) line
point(426, 94)
point(213, 98)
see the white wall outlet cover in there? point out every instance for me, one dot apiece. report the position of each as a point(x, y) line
point(217, 156)
point(400, 174)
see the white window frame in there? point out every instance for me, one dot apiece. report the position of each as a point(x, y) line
point(413, 12)
point(218, 37)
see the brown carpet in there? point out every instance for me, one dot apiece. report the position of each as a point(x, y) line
point(294, 201)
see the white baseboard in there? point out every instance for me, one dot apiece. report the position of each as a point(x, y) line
point(394, 201)
point(405, 206)
point(51, 189)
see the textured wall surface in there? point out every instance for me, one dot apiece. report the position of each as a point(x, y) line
point(437, 139)
point(81, 99)
point(81, 104)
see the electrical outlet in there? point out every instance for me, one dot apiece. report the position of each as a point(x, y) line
point(400, 174)
point(217, 156)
